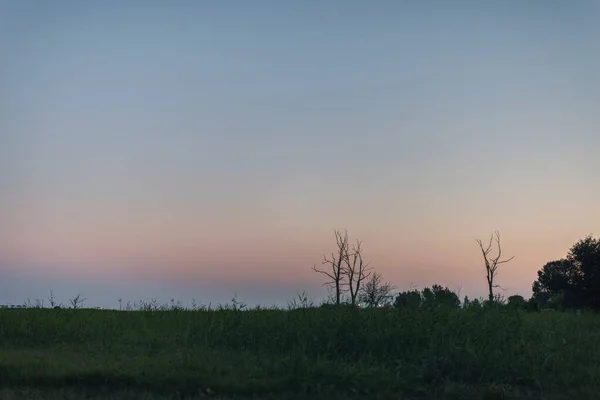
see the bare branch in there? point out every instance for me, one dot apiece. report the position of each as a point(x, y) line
point(491, 263)
point(504, 261)
point(375, 292)
point(323, 272)
point(335, 263)
point(356, 271)
point(77, 301)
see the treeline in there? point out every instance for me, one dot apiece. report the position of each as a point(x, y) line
point(437, 296)
point(569, 283)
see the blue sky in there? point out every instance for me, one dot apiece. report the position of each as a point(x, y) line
point(216, 145)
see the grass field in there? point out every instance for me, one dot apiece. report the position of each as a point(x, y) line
point(306, 353)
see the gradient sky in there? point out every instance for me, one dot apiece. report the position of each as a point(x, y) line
point(197, 149)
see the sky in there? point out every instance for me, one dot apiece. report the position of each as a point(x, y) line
point(206, 149)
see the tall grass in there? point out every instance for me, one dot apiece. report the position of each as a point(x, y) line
point(345, 351)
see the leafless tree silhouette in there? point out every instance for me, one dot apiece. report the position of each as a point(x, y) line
point(346, 268)
point(375, 291)
point(491, 263)
point(355, 270)
point(336, 263)
point(77, 302)
point(52, 300)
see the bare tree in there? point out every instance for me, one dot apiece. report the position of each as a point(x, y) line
point(52, 300)
point(77, 301)
point(347, 269)
point(491, 263)
point(355, 271)
point(375, 291)
point(336, 264)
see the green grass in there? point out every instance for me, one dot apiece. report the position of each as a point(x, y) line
point(307, 353)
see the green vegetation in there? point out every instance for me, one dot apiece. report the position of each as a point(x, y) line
point(340, 352)
point(411, 345)
point(571, 282)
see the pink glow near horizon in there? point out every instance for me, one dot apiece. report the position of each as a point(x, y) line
point(430, 250)
point(186, 146)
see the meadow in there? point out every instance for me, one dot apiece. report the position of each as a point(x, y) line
point(333, 353)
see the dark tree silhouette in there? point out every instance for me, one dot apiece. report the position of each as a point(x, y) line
point(375, 291)
point(408, 299)
point(517, 302)
point(574, 281)
point(438, 297)
point(52, 300)
point(434, 297)
point(556, 278)
point(355, 271)
point(77, 302)
point(336, 263)
point(347, 269)
point(491, 263)
point(585, 255)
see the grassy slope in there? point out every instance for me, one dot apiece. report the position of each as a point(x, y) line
point(316, 353)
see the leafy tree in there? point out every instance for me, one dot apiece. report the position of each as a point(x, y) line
point(408, 299)
point(571, 282)
point(428, 298)
point(475, 303)
point(434, 297)
point(532, 304)
point(539, 301)
point(443, 297)
point(585, 255)
point(517, 302)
